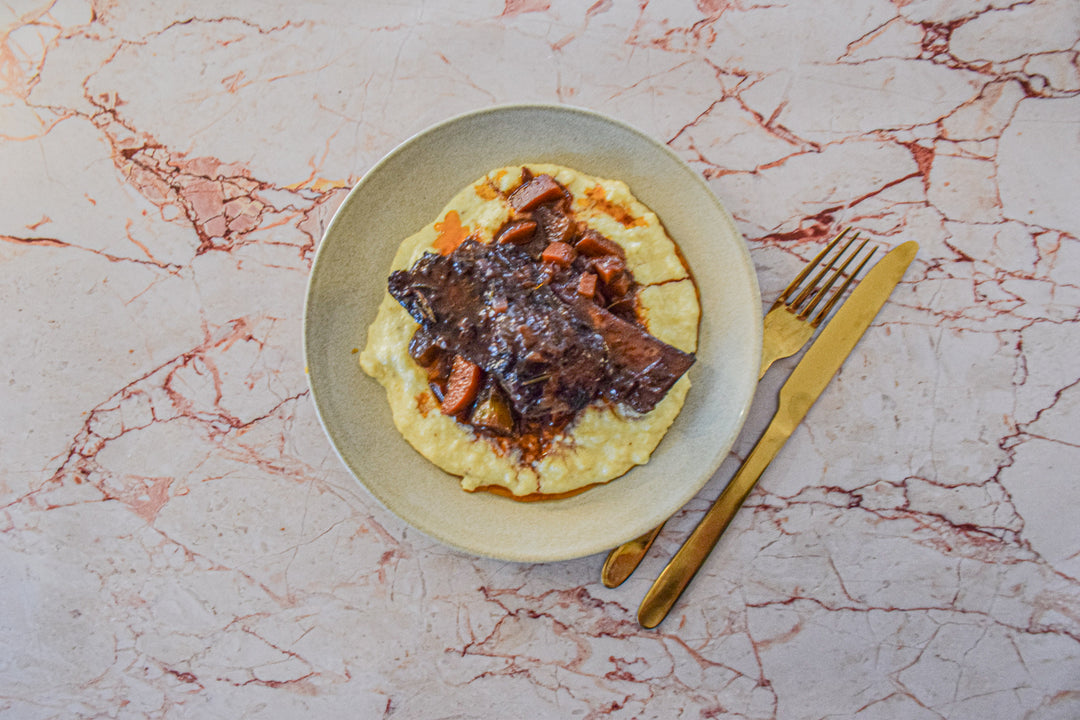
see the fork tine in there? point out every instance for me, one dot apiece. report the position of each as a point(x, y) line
point(812, 286)
point(784, 332)
point(794, 284)
point(836, 296)
point(805, 313)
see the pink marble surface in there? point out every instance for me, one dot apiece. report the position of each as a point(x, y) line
point(178, 539)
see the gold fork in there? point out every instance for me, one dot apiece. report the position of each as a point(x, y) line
point(788, 325)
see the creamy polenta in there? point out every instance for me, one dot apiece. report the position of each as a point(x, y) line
point(606, 439)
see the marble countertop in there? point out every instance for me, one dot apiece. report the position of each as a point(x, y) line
point(179, 539)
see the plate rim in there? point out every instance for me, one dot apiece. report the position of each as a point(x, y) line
point(542, 554)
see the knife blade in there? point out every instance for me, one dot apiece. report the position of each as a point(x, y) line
point(817, 367)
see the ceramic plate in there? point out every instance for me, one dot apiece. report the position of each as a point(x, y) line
point(404, 192)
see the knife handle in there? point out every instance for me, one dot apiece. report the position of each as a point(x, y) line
point(684, 565)
point(623, 560)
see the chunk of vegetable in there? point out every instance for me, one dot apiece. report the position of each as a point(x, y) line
point(518, 233)
point(462, 386)
point(586, 285)
point(593, 244)
point(559, 253)
point(620, 284)
point(539, 190)
point(492, 412)
point(608, 266)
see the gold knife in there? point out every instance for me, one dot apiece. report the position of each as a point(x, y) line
point(807, 381)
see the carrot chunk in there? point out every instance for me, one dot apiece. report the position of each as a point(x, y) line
point(620, 284)
point(594, 244)
point(559, 253)
point(608, 266)
point(462, 386)
point(539, 190)
point(586, 285)
point(517, 233)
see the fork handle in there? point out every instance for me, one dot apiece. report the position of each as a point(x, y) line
point(688, 560)
point(622, 561)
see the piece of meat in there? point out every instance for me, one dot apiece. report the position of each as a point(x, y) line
point(555, 224)
point(542, 354)
point(551, 350)
point(643, 368)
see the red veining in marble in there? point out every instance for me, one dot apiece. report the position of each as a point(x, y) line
point(577, 645)
point(517, 7)
point(167, 394)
